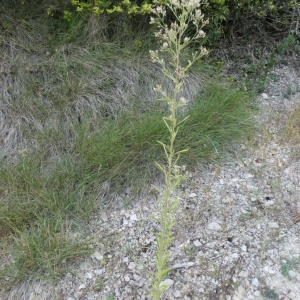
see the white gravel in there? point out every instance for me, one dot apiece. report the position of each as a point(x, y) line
point(237, 233)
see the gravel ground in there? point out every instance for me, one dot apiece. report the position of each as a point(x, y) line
point(238, 224)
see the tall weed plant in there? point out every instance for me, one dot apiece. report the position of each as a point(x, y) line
point(174, 40)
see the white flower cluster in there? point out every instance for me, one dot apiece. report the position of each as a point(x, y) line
point(188, 4)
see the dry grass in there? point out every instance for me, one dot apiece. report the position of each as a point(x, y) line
point(293, 126)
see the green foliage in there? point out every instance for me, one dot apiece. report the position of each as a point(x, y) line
point(42, 251)
point(289, 264)
point(270, 294)
point(228, 19)
point(105, 6)
point(225, 16)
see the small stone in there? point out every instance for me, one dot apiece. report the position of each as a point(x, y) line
point(234, 255)
point(82, 266)
point(82, 287)
point(257, 294)
point(273, 225)
point(248, 176)
point(265, 96)
point(292, 274)
point(239, 293)
point(214, 226)
point(268, 270)
point(269, 203)
point(201, 290)
point(125, 260)
point(100, 271)
point(196, 243)
point(136, 277)
point(255, 282)
point(97, 255)
point(244, 248)
point(127, 278)
point(103, 216)
point(89, 275)
point(167, 283)
point(133, 217)
point(117, 292)
point(244, 274)
point(78, 294)
point(192, 195)
point(131, 266)
point(177, 294)
point(227, 200)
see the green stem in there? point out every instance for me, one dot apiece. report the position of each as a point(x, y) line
point(165, 217)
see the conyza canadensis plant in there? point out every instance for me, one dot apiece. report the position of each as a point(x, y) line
point(182, 32)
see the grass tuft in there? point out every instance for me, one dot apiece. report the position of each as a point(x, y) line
point(43, 251)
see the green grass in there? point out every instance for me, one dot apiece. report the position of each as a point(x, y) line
point(289, 264)
point(57, 182)
point(78, 123)
point(60, 179)
point(43, 250)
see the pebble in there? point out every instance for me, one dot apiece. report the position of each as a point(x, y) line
point(103, 216)
point(177, 294)
point(131, 266)
point(244, 248)
point(248, 176)
point(268, 270)
point(99, 271)
point(98, 256)
point(257, 294)
point(214, 226)
point(133, 217)
point(167, 282)
point(192, 195)
point(136, 277)
point(273, 225)
point(269, 203)
point(244, 274)
point(196, 243)
point(255, 282)
point(292, 274)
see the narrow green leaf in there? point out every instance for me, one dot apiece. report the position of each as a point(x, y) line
point(160, 167)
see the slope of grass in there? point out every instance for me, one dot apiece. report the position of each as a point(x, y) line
point(75, 118)
point(60, 181)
